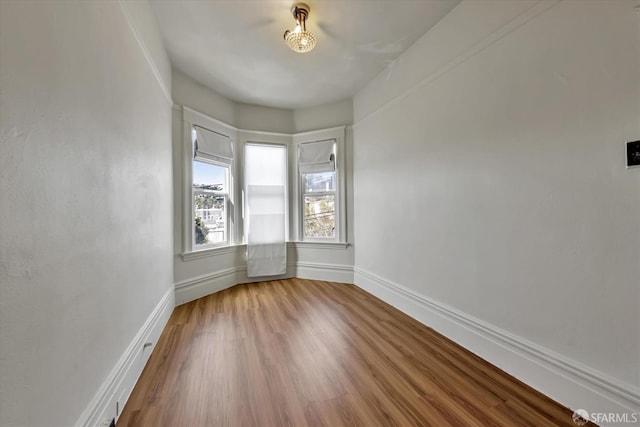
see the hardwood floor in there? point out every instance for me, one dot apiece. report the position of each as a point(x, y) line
point(308, 353)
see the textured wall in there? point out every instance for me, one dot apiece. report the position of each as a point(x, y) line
point(86, 201)
point(495, 181)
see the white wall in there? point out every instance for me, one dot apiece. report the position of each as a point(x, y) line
point(324, 116)
point(264, 119)
point(186, 91)
point(494, 149)
point(143, 23)
point(85, 153)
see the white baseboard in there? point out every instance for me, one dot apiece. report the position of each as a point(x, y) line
point(123, 377)
point(243, 278)
point(326, 272)
point(198, 287)
point(564, 380)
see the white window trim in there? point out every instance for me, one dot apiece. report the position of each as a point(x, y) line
point(337, 134)
point(192, 118)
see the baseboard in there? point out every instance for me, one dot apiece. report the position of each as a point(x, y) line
point(326, 272)
point(564, 380)
point(124, 375)
point(198, 287)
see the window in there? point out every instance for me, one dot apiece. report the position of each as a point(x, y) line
point(212, 158)
point(210, 200)
point(266, 209)
point(265, 179)
point(319, 205)
point(249, 197)
point(316, 163)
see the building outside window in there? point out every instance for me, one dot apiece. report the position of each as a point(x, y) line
point(319, 205)
point(210, 200)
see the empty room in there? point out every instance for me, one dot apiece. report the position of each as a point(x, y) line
point(269, 213)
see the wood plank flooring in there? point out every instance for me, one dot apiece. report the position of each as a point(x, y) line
point(308, 353)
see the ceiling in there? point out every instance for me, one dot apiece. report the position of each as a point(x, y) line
point(236, 47)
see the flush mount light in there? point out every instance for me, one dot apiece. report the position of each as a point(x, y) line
point(300, 40)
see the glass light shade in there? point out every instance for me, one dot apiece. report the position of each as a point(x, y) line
point(300, 41)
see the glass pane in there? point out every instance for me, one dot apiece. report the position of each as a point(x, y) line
point(322, 181)
point(210, 217)
point(209, 208)
point(319, 216)
point(209, 177)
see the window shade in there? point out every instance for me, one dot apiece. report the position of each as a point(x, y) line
point(316, 157)
point(265, 192)
point(212, 146)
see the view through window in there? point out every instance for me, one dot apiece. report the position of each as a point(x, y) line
point(319, 204)
point(210, 198)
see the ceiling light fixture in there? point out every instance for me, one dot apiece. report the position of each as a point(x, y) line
point(300, 40)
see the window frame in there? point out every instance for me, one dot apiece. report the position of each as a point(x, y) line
point(304, 194)
point(338, 136)
point(190, 119)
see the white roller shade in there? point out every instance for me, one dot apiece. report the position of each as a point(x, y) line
point(316, 156)
point(212, 146)
point(266, 183)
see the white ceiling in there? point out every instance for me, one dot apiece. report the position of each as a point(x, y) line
point(236, 47)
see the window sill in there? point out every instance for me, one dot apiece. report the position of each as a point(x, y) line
point(321, 245)
point(222, 250)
